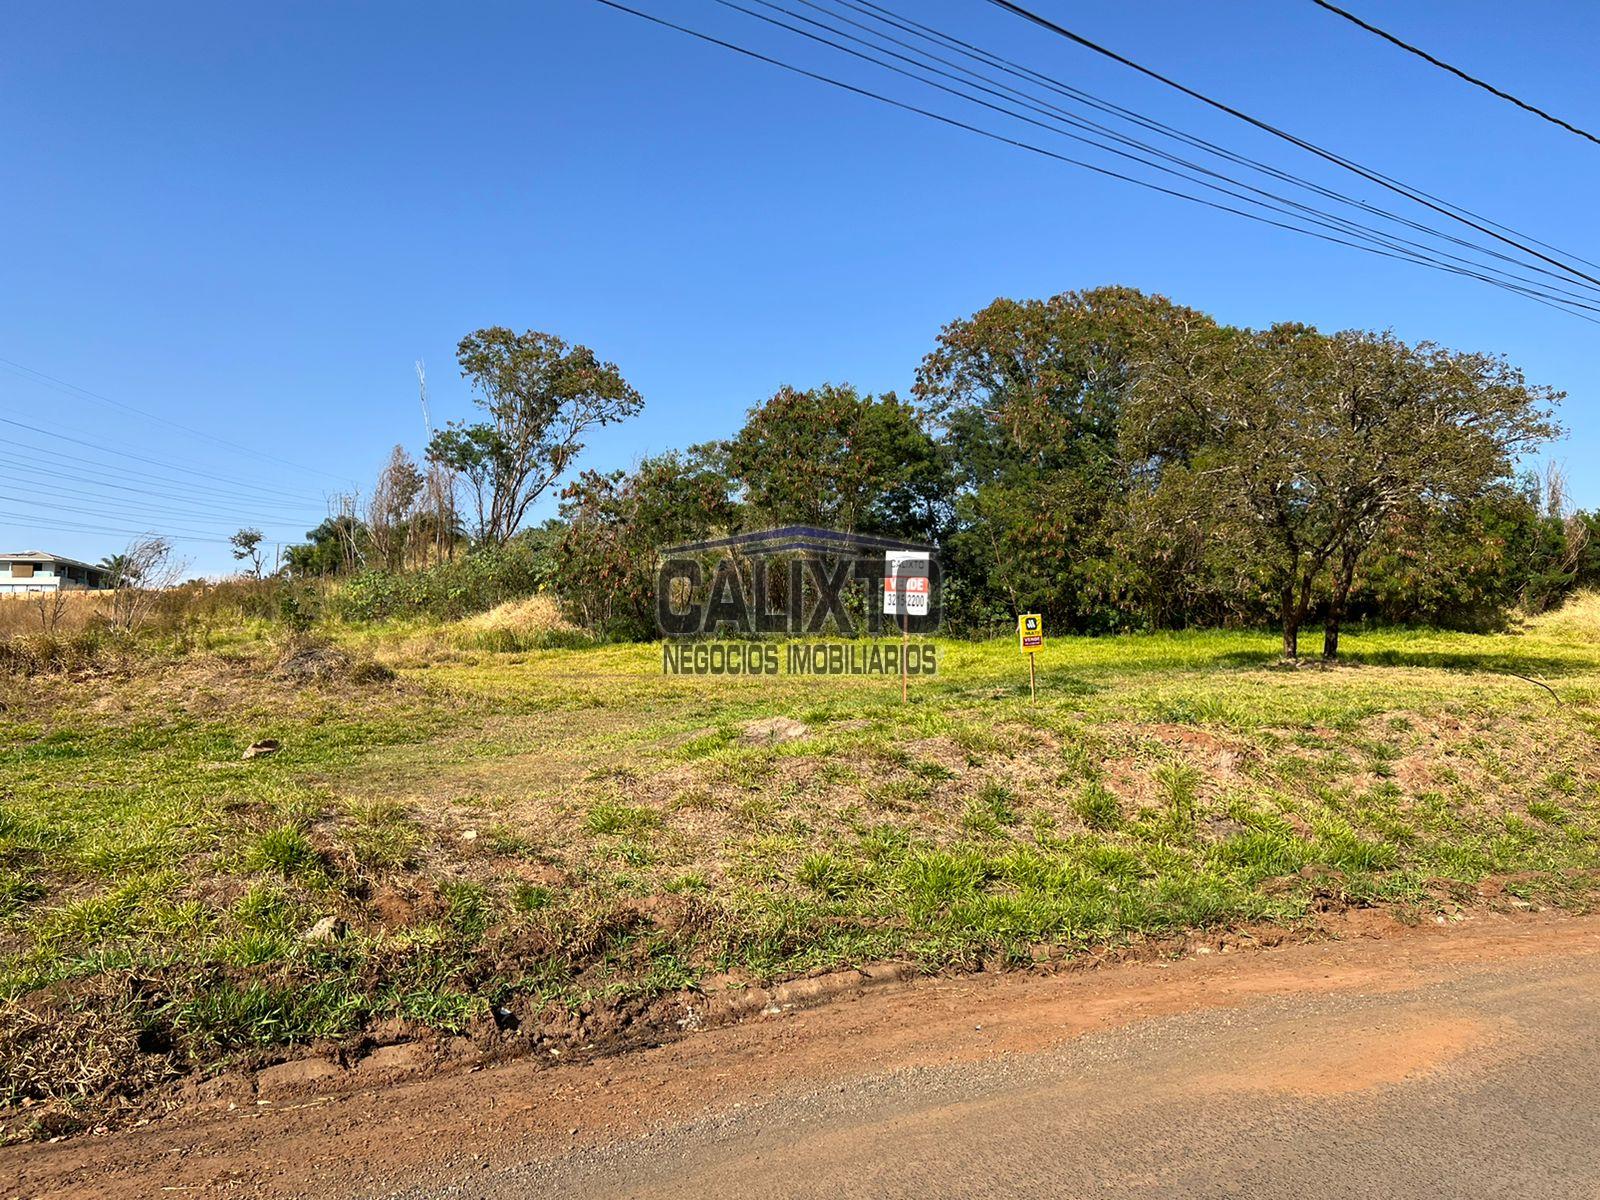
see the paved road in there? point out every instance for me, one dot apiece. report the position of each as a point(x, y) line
point(1455, 1059)
point(1483, 1084)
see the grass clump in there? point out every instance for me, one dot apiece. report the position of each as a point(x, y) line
point(614, 817)
point(284, 849)
point(1097, 807)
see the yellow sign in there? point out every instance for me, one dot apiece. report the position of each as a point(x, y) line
point(1030, 631)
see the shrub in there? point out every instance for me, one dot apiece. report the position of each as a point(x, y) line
point(447, 590)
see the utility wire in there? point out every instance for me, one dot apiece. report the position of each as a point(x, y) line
point(1563, 306)
point(221, 503)
point(980, 131)
point(154, 513)
point(51, 521)
point(1456, 71)
point(1311, 147)
point(176, 488)
point(61, 385)
point(1273, 201)
point(56, 488)
point(55, 526)
point(909, 25)
point(65, 437)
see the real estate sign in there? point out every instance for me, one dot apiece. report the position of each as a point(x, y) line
point(905, 583)
point(1030, 632)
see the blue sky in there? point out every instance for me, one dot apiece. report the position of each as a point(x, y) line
point(251, 220)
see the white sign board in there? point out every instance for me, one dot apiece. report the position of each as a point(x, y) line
point(905, 583)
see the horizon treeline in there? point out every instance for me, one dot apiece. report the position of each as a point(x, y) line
point(1108, 458)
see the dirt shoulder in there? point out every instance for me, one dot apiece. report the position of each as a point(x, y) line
point(385, 1126)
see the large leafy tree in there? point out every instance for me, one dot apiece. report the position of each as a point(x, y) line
point(1029, 396)
point(541, 397)
point(833, 457)
point(616, 524)
point(1293, 450)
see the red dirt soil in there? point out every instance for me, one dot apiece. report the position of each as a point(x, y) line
point(309, 1128)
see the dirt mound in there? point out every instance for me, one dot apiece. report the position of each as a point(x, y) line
point(306, 661)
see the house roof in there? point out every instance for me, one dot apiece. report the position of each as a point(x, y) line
point(39, 556)
point(798, 537)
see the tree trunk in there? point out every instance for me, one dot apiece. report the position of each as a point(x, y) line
point(1337, 605)
point(1291, 624)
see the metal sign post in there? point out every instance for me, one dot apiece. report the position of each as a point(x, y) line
point(905, 594)
point(1030, 638)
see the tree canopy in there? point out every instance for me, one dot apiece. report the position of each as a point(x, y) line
point(1107, 457)
point(541, 396)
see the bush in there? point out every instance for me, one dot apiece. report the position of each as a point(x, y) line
point(447, 590)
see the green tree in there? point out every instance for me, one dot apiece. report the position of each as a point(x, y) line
point(615, 527)
point(1029, 397)
point(1294, 450)
point(247, 548)
point(832, 457)
point(541, 396)
point(335, 547)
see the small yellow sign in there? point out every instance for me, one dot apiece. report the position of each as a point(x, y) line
point(1030, 632)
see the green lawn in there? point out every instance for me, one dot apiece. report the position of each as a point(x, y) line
point(559, 832)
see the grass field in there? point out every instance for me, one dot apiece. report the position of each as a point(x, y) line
point(555, 837)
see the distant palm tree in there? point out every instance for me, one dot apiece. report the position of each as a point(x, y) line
point(118, 567)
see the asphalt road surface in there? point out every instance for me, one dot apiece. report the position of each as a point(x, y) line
point(1451, 1060)
point(1487, 1084)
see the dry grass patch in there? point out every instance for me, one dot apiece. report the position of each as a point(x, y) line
point(533, 623)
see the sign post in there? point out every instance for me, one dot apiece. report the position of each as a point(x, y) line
point(1030, 638)
point(905, 595)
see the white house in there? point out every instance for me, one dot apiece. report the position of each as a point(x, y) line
point(36, 571)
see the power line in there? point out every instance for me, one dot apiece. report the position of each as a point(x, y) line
point(65, 437)
point(102, 531)
point(22, 475)
point(1311, 147)
point(171, 491)
point(178, 489)
point(910, 25)
point(1399, 255)
point(1273, 201)
point(981, 132)
point(1456, 71)
point(61, 385)
point(159, 515)
point(72, 526)
point(905, 24)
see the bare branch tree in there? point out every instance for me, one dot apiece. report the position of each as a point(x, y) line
point(146, 569)
point(391, 511)
point(52, 606)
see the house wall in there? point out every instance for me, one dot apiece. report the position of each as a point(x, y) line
point(46, 577)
